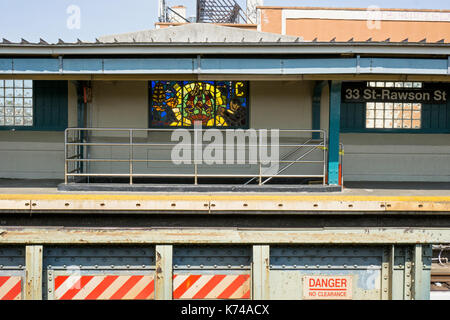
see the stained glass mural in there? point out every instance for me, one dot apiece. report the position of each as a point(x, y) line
point(213, 103)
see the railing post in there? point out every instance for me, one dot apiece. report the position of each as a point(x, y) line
point(131, 156)
point(195, 173)
point(65, 156)
point(260, 173)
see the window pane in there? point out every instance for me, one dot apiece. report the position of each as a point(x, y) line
point(380, 84)
point(28, 93)
point(388, 106)
point(370, 114)
point(2, 83)
point(398, 106)
point(9, 102)
point(417, 84)
point(398, 114)
point(406, 114)
point(388, 123)
point(416, 115)
point(379, 123)
point(407, 106)
point(2, 112)
point(370, 105)
point(2, 92)
point(407, 85)
point(18, 83)
point(9, 121)
point(28, 102)
point(399, 84)
point(9, 111)
point(406, 124)
point(18, 102)
point(9, 83)
point(28, 121)
point(18, 121)
point(389, 84)
point(416, 124)
point(379, 105)
point(388, 114)
point(28, 112)
point(2, 121)
point(2, 102)
point(417, 106)
point(370, 123)
point(28, 83)
point(379, 114)
point(18, 92)
point(18, 112)
point(9, 92)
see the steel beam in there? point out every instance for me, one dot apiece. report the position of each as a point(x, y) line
point(163, 275)
point(56, 235)
point(229, 66)
point(260, 272)
point(33, 265)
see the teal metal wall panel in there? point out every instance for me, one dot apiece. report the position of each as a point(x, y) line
point(33, 65)
point(224, 66)
point(82, 65)
point(407, 66)
point(154, 66)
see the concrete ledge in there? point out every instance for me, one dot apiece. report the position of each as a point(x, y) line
point(194, 188)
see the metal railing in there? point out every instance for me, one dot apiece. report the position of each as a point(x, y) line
point(80, 142)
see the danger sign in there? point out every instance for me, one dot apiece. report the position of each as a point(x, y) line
point(327, 287)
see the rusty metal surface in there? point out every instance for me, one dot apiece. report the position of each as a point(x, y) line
point(19, 235)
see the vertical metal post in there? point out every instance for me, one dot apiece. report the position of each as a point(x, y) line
point(164, 272)
point(407, 282)
point(421, 279)
point(131, 156)
point(195, 173)
point(33, 265)
point(260, 174)
point(65, 157)
point(334, 129)
point(325, 148)
point(260, 272)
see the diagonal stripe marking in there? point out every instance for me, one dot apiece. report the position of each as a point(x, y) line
point(113, 287)
point(138, 287)
point(233, 287)
point(126, 287)
point(3, 280)
point(208, 287)
point(14, 292)
point(221, 287)
point(87, 289)
point(147, 293)
point(76, 288)
point(182, 288)
point(59, 281)
point(101, 287)
point(198, 285)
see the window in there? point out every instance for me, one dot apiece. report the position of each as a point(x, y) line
point(213, 103)
point(16, 103)
point(389, 115)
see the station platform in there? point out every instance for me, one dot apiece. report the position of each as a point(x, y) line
point(355, 197)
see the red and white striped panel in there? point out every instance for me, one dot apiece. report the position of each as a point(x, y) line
point(104, 287)
point(10, 288)
point(211, 286)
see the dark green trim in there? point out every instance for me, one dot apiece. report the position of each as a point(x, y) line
point(333, 134)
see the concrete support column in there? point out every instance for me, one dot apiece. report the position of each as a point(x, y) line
point(333, 132)
point(33, 266)
point(164, 272)
point(260, 272)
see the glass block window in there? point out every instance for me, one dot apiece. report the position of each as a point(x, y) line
point(16, 103)
point(389, 115)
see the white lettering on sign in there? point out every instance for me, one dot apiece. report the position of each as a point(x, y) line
point(327, 287)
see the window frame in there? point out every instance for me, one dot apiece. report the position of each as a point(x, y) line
point(247, 125)
point(38, 114)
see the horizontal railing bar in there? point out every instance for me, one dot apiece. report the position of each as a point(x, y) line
point(178, 144)
point(188, 175)
point(159, 160)
point(188, 129)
